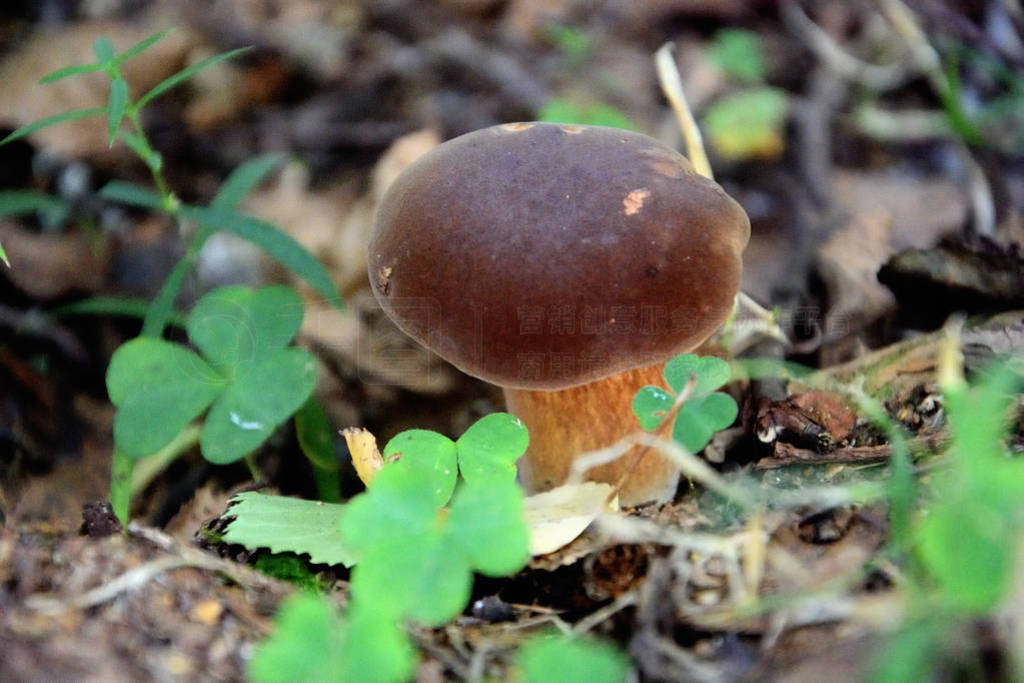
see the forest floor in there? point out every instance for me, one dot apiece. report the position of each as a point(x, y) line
point(883, 174)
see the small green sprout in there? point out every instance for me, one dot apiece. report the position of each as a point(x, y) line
point(247, 376)
point(739, 54)
point(563, 110)
point(704, 411)
point(571, 660)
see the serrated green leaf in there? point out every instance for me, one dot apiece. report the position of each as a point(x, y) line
point(549, 658)
point(288, 525)
point(491, 446)
point(263, 394)
point(243, 179)
point(103, 49)
point(22, 202)
point(185, 74)
point(710, 373)
point(428, 458)
point(702, 416)
point(116, 105)
point(158, 388)
point(303, 646)
point(132, 194)
point(650, 405)
point(271, 239)
point(487, 526)
point(63, 117)
point(71, 71)
point(141, 46)
point(315, 435)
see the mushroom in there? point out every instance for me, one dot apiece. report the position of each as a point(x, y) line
point(565, 264)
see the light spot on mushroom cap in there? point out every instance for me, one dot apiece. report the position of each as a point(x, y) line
point(634, 201)
point(516, 127)
point(572, 129)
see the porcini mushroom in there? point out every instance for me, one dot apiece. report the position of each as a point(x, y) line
point(565, 264)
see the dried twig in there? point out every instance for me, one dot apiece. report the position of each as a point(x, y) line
point(672, 86)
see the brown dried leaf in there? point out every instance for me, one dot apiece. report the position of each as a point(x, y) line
point(48, 266)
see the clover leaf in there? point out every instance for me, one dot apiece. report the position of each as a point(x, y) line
point(310, 643)
point(246, 373)
point(704, 412)
point(415, 558)
point(488, 449)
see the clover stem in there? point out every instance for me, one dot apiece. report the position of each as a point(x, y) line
point(121, 485)
point(664, 427)
point(254, 469)
point(567, 423)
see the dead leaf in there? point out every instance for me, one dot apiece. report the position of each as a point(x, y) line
point(558, 516)
point(848, 263)
point(46, 266)
point(381, 353)
point(366, 457)
point(333, 223)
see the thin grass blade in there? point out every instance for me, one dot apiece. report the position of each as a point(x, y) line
point(271, 239)
point(141, 46)
point(127, 307)
point(63, 117)
point(243, 179)
point(70, 71)
point(183, 75)
point(21, 202)
point(132, 194)
point(116, 106)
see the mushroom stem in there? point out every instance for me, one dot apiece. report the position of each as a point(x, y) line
point(566, 423)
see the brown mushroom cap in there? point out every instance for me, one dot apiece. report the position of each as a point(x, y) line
point(543, 256)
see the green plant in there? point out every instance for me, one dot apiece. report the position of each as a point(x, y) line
point(438, 511)
point(559, 658)
point(562, 110)
point(964, 544)
point(699, 410)
point(252, 381)
point(739, 54)
point(746, 123)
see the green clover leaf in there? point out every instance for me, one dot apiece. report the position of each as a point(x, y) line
point(491, 446)
point(158, 388)
point(650, 405)
point(709, 371)
point(430, 458)
point(253, 382)
point(702, 414)
point(417, 559)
